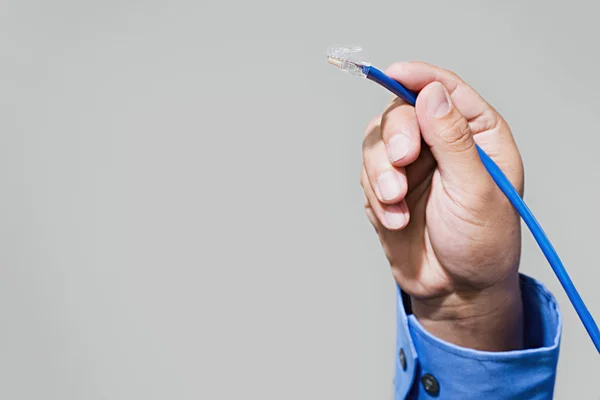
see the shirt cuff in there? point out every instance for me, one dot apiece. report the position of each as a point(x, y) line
point(430, 368)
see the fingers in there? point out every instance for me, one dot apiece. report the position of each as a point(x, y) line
point(387, 182)
point(391, 216)
point(385, 186)
point(449, 137)
point(400, 133)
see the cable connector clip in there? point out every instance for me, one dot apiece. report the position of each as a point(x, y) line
point(347, 60)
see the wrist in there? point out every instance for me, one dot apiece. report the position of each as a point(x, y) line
point(490, 319)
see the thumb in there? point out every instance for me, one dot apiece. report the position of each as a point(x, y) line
point(447, 133)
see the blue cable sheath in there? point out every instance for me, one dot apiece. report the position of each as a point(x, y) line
point(513, 196)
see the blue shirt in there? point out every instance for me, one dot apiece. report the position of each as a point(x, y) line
point(430, 368)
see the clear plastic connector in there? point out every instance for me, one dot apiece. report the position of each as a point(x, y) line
point(348, 60)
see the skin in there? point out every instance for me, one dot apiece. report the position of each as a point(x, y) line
point(452, 239)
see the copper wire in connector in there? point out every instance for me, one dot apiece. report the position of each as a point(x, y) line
point(335, 61)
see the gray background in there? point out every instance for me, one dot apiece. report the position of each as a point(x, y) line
point(180, 213)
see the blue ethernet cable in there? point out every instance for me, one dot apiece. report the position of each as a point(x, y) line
point(348, 61)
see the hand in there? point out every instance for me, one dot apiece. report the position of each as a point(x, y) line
point(452, 238)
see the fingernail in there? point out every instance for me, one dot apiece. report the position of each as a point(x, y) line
point(438, 103)
point(388, 186)
point(398, 147)
point(395, 219)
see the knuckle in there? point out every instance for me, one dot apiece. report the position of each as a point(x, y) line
point(400, 119)
point(364, 180)
point(397, 111)
point(373, 125)
point(487, 120)
point(372, 134)
point(451, 74)
point(394, 67)
point(369, 143)
point(395, 103)
point(456, 134)
point(421, 64)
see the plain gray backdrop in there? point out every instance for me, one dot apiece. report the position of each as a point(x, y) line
point(180, 212)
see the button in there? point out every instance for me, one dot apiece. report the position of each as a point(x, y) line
point(402, 359)
point(430, 384)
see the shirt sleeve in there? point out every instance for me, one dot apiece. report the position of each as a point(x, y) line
point(430, 368)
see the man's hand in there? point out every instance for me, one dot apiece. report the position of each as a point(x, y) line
point(452, 238)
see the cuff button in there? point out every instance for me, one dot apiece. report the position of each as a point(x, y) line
point(402, 357)
point(430, 384)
